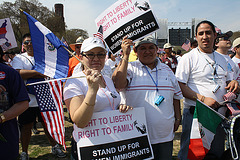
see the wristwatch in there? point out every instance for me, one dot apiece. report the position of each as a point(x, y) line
point(3, 119)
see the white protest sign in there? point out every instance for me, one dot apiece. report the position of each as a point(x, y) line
point(7, 38)
point(114, 135)
point(133, 18)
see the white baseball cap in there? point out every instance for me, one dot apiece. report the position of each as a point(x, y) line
point(90, 43)
point(236, 42)
point(167, 45)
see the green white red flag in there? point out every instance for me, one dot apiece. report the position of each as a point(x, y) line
point(204, 125)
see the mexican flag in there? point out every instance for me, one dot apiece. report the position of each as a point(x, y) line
point(204, 125)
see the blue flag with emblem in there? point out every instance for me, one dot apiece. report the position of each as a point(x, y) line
point(51, 59)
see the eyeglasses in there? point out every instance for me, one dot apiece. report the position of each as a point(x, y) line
point(91, 55)
point(224, 39)
point(27, 42)
point(78, 47)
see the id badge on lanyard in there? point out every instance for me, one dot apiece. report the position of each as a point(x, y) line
point(159, 98)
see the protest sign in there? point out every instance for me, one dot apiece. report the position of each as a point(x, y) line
point(7, 38)
point(133, 18)
point(114, 135)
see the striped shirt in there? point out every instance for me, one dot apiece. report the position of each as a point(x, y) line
point(142, 91)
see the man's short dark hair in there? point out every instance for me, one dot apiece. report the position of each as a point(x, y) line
point(179, 52)
point(209, 23)
point(194, 43)
point(26, 35)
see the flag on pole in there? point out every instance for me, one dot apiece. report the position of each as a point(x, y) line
point(204, 125)
point(49, 99)
point(64, 41)
point(186, 45)
point(51, 59)
point(218, 30)
point(99, 34)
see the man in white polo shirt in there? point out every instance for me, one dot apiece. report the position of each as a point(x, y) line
point(152, 85)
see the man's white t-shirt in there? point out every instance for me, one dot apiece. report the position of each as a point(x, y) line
point(195, 71)
point(232, 68)
point(237, 62)
point(24, 61)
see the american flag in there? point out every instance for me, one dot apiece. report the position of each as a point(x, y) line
point(99, 34)
point(49, 99)
point(218, 30)
point(230, 96)
point(186, 45)
point(64, 41)
point(6, 46)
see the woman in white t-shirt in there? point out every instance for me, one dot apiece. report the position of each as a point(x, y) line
point(92, 93)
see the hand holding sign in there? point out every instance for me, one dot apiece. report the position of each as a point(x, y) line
point(126, 47)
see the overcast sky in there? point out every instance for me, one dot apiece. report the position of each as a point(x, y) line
point(223, 13)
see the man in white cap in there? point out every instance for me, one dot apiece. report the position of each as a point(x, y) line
point(222, 45)
point(168, 58)
point(73, 61)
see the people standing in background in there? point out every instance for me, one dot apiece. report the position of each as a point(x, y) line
point(76, 47)
point(193, 44)
point(168, 58)
point(112, 62)
point(222, 45)
point(179, 55)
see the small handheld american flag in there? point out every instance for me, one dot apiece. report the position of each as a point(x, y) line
point(49, 99)
point(99, 34)
point(186, 45)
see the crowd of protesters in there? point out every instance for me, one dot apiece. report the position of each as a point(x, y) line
point(169, 76)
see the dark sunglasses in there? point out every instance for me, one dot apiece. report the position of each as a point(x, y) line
point(91, 56)
point(27, 42)
point(224, 38)
point(78, 47)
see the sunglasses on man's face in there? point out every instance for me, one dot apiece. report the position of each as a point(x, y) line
point(27, 42)
point(224, 38)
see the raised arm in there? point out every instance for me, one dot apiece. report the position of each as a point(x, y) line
point(81, 108)
point(119, 76)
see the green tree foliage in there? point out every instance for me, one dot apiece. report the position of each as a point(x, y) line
point(18, 19)
point(235, 35)
point(41, 13)
point(72, 35)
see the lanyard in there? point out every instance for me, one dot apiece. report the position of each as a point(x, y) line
point(156, 83)
point(111, 104)
point(213, 66)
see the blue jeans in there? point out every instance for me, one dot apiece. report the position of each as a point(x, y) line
point(185, 137)
point(163, 151)
point(217, 146)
